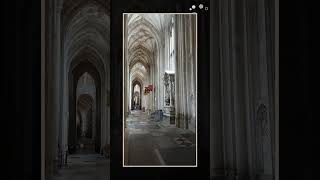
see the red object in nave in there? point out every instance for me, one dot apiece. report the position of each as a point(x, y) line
point(146, 90)
point(150, 87)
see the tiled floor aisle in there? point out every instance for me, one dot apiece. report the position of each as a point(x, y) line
point(85, 167)
point(152, 142)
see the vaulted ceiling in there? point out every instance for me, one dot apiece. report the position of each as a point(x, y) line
point(144, 40)
point(70, 7)
point(86, 25)
point(139, 71)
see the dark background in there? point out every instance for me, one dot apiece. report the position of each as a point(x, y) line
point(20, 119)
point(20, 71)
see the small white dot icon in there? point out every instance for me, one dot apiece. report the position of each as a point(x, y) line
point(200, 6)
point(206, 8)
point(193, 6)
point(190, 9)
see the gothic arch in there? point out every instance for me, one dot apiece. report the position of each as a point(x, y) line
point(149, 52)
point(74, 74)
point(86, 102)
point(133, 84)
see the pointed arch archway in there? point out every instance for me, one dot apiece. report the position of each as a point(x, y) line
point(76, 71)
point(135, 82)
point(86, 104)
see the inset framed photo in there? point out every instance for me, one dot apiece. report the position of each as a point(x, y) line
point(160, 89)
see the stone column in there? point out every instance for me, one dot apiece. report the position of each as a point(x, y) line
point(94, 121)
point(192, 72)
point(184, 70)
point(181, 56)
point(178, 70)
point(126, 82)
point(104, 124)
point(158, 82)
point(57, 83)
point(216, 122)
point(241, 113)
point(163, 57)
point(43, 87)
point(50, 105)
point(250, 60)
point(152, 94)
point(267, 151)
point(65, 97)
point(188, 60)
point(227, 86)
point(54, 90)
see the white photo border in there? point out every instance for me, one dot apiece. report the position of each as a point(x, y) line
point(123, 94)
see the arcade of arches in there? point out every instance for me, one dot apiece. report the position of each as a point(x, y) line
point(77, 76)
point(242, 89)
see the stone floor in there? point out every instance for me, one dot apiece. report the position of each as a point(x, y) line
point(149, 142)
point(85, 167)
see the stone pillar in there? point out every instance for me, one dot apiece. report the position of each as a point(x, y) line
point(247, 167)
point(241, 114)
point(163, 57)
point(264, 90)
point(227, 96)
point(180, 69)
point(185, 75)
point(94, 122)
point(252, 57)
point(246, 77)
point(49, 107)
point(65, 101)
point(126, 80)
point(158, 82)
point(152, 94)
point(188, 62)
point(260, 159)
point(216, 122)
point(193, 72)
point(54, 89)
point(43, 87)
point(57, 83)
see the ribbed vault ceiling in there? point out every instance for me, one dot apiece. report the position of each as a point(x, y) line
point(86, 25)
point(144, 39)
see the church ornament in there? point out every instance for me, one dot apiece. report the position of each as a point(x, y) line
point(169, 108)
point(148, 89)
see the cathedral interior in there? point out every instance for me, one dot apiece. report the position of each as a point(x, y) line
point(160, 102)
point(77, 85)
point(160, 90)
